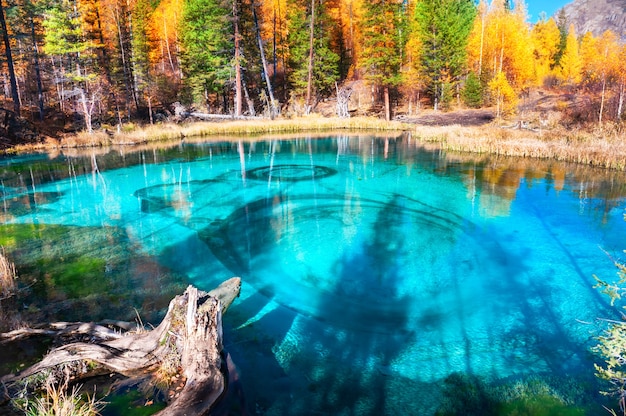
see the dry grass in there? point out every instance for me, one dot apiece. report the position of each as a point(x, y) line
point(58, 400)
point(604, 148)
point(163, 132)
point(8, 275)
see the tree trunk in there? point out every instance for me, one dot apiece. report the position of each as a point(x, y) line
point(7, 48)
point(249, 101)
point(37, 70)
point(620, 104)
point(387, 106)
point(87, 109)
point(127, 67)
point(602, 99)
point(274, 62)
point(310, 74)
point(238, 98)
point(273, 107)
point(189, 335)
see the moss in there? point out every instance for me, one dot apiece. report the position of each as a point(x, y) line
point(75, 276)
point(541, 405)
point(131, 403)
point(15, 235)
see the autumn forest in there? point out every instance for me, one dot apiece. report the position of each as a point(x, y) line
point(111, 61)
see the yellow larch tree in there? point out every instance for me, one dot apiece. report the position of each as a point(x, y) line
point(163, 33)
point(274, 31)
point(505, 44)
point(588, 56)
point(351, 12)
point(570, 65)
point(601, 65)
point(546, 38)
point(609, 65)
point(476, 39)
point(506, 98)
point(411, 67)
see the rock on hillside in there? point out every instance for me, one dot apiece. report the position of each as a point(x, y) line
point(597, 16)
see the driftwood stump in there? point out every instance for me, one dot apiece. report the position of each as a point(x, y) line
point(188, 340)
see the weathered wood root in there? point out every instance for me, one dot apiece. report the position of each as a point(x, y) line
point(189, 338)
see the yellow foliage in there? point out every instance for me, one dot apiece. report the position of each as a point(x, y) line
point(501, 42)
point(476, 39)
point(588, 53)
point(505, 96)
point(546, 38)
point(570, 65)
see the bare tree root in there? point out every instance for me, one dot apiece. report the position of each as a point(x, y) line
point(187, 343)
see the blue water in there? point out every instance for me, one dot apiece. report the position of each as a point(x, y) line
point(373, 269)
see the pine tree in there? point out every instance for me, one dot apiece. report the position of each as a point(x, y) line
point(143, 77)
point(325, 69)
point(66, 37)
point(207, 47)
point(561, 23)
point(473, 91)
point(381, 59)
point(444, 28)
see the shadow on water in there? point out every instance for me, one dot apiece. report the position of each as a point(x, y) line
point(293, 364)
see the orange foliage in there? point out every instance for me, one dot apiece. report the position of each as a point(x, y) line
point(162, 32)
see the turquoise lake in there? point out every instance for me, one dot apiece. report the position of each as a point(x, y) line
point(380, 276)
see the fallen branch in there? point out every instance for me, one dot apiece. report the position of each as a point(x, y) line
point(188, 340)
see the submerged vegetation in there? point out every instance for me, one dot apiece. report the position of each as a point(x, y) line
point(90, 283)
point(470, 395)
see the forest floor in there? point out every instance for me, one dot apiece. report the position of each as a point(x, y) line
point(465, 117)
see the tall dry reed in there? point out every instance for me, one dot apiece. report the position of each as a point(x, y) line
point(8, 275)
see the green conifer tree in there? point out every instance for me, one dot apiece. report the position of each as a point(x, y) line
point(66, 37)
point(473, 91)
point(326, 61)
point(443, 27)
point(383, 42)
point(207, 47)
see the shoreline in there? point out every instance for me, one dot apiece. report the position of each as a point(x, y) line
point(603, 146)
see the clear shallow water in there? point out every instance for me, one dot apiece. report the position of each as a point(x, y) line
point(372, 269)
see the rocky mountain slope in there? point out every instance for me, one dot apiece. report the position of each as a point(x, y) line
point(597, 16)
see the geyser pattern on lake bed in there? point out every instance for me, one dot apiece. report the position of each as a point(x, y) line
point(371, 270)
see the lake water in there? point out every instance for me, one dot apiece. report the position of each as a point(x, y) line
point(379, 276)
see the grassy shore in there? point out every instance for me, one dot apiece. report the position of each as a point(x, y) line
point(602, 146)
point(134, 135)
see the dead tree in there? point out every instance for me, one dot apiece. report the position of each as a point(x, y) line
point(343, 99)
point(190, 337)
